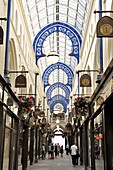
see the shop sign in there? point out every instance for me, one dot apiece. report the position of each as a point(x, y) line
point(100, 100)
point(20, 81)
point(41, 114)
point(85, 81)
point(9, 102)
point(105, 27)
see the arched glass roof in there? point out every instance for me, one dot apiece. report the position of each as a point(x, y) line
point(40, 13)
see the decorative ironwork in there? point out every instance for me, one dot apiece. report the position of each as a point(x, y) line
point(57, 97)
point(51, 68)
point(62, 102)
point(57, 85)
point(57, 27)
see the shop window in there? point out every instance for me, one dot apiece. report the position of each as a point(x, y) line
point(98, 142)
point(6, 149)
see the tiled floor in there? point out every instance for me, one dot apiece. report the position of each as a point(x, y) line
point(60, 163)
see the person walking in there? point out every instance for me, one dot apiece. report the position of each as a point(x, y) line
point(52, 151)
point(74, 153)
point(49, 151)
point(56, 151)
point(67, 149)
point(43, 151)
point(61, 150)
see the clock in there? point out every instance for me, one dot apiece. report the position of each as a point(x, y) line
point(106, 29)
point(85, 82)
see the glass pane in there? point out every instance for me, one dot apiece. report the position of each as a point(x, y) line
point(98, 139)
point(8, 120)
point(62, 9)
point(1, 91)
point(72, 4)
point(13, 149)
point(5, 96)
point(6, 150)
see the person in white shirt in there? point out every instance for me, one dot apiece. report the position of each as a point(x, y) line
point(67, 149)
point(74, 153)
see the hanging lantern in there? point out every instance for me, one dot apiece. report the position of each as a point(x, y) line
point(52, 58)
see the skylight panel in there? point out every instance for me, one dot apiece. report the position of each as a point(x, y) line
point(72, 13)
point(33, 9)
point(81, 10)
point(33, 14)
point(51, 19)
point(83, 2)
point(41, 5)
point(36, 30)
point(79, 20)
point(44, 22)
point(50, 2)
point(71, 21)
point(61, 91)
point(35, 21)
point(61, 60)
point(50, 10)
point(68, 48)
point(67, 63)
point(36, 27)
point(65, 2)
point(61, 40)
point(62, 17)
point(72, 4)
point(78, 27)
point(42, 14)
point(31, 4)
point(63, 9)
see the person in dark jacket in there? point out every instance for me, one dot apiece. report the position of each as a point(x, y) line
point(52, 151)
point(61, 151)
point(56, 151)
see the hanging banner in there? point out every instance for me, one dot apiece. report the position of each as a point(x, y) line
point(105, 27)
point(1, 35)
point(20, 81)
point(42, 114)
point(85, 81)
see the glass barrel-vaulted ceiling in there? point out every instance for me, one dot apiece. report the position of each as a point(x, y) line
point(40, 13)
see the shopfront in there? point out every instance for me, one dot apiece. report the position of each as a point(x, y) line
point(97, 140)
point(101, 124)
point(9, 127)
